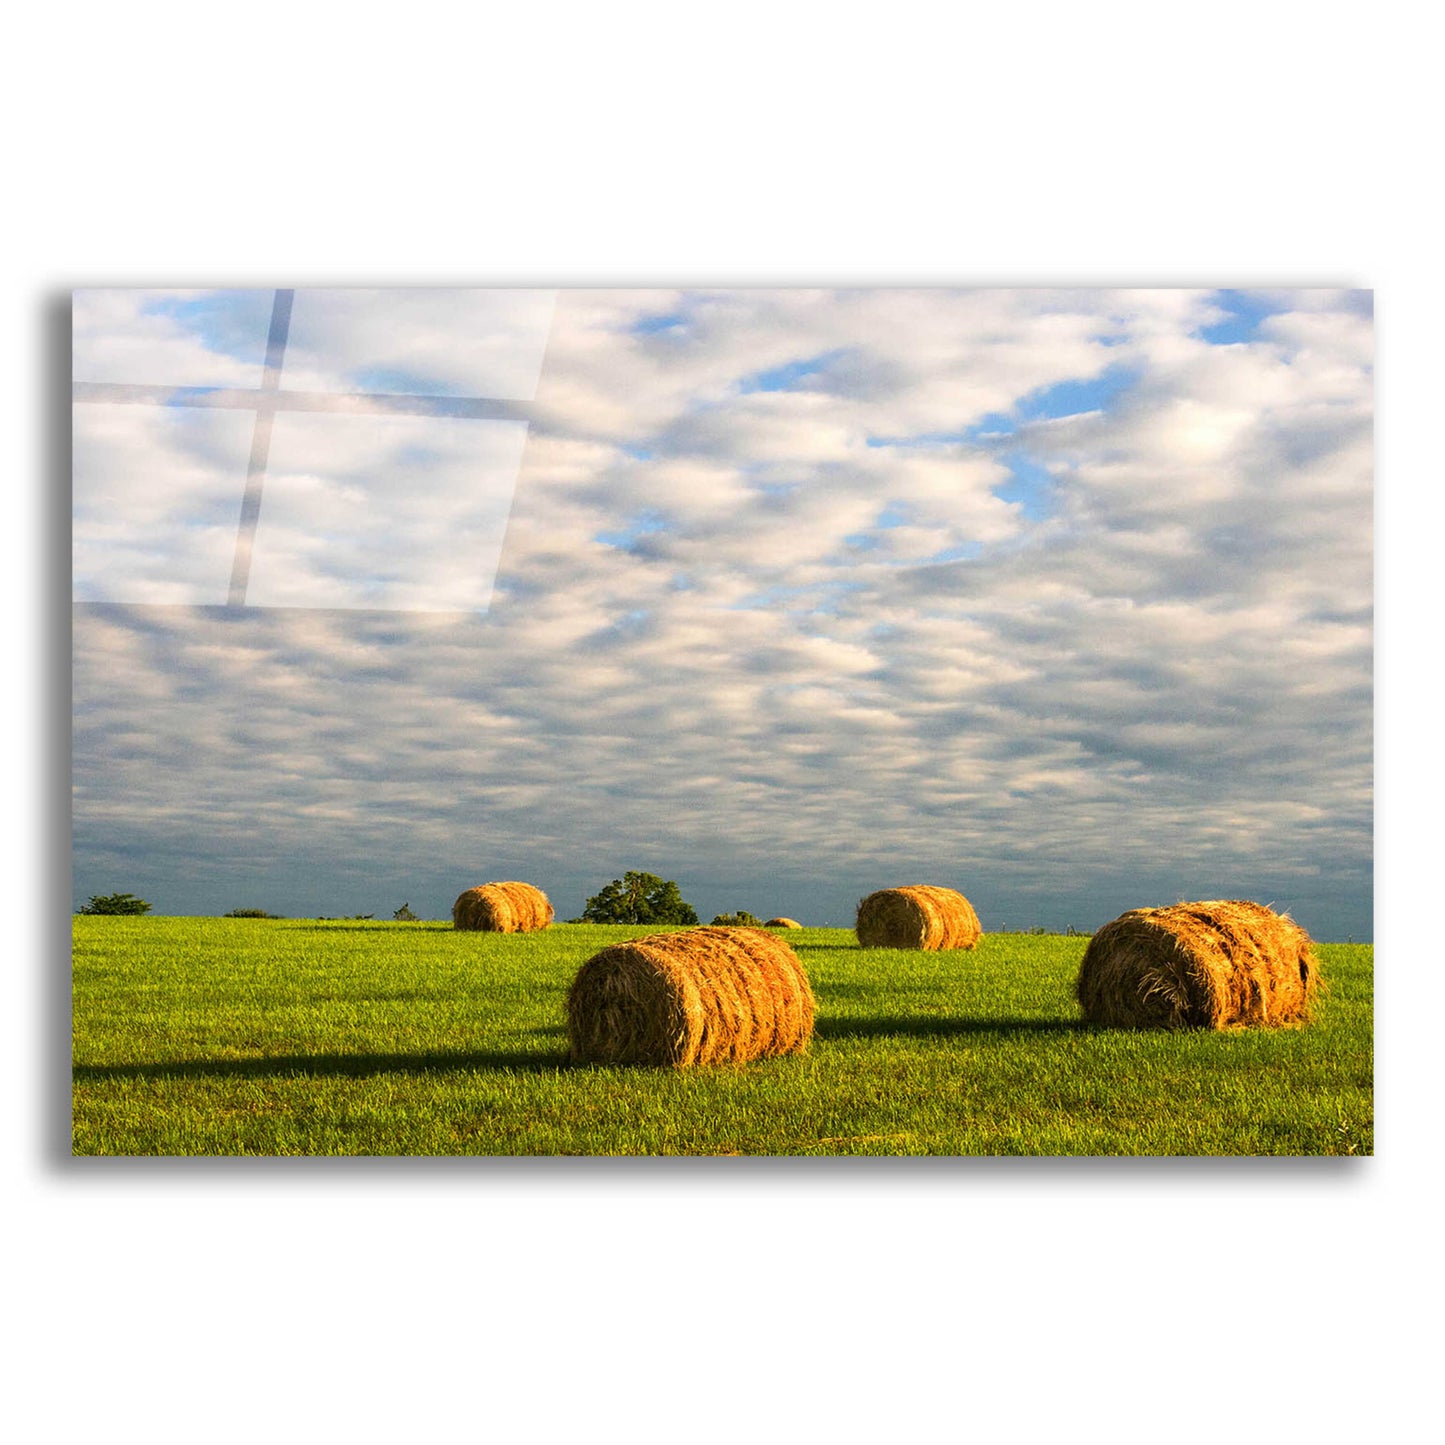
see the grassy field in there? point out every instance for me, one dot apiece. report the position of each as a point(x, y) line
point(220, 1036)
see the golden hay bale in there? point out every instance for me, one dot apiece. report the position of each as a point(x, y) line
point(782, 923)
point(1217, 964)
point(701, 996)
point(918, 916)
point(502, 908)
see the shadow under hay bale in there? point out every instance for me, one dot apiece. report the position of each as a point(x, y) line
point(701, 996)
point(1218, 964)
point(502, 908)
point(782, 923)
point(918, 916)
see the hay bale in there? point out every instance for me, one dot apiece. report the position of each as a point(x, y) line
point(502, 908)
point(1218, 964)
point(782, 923)
point(700, 996)
point(918, 916)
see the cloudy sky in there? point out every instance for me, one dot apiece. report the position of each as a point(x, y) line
point(1061, 598)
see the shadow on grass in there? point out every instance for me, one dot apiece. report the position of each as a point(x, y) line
point(854, 948)
point(460, 1061)
point(350, 925)
point(912, 1026)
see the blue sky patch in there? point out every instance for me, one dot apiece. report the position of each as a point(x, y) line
point(1072, 398)
point(660, 322)
point(625, 536)
point(1052, 403)
point(1246, 309)
point(786, 377)
point(1048, 403)
point(1031, 485)
point(895, 514)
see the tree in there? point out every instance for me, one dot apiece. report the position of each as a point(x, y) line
point(741, 919)
point(405, 915)
point(116, 903)
point(249, 913)
point(639, 898)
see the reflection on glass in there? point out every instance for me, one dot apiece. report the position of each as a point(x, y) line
point(157, 491)
point(418, 342)
point(170, 338)
point(403, 513)
point(351, 466)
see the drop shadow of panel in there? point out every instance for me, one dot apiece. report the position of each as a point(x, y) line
point(52, 836)
point(358, 1066)
point(943, 1028)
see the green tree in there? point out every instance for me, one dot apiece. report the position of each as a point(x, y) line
point(116, 903)
point(405, 915)
point(639, 898)
point(741, 919)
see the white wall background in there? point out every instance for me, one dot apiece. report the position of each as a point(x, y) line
point(1116, 144)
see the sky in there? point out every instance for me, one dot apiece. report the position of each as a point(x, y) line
point(1062, 598)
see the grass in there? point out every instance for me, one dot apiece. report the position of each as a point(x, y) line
point(294, 1037)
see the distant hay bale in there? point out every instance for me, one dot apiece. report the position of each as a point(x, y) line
point(782, 923)
point(918, 916)
point(502, 908)
point(700, 996)
point(1217, 964)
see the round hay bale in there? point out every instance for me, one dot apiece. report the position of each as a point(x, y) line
point(782, 923)
point(1222, 963)
point(502, 908)
point(700, 996)
point(918, 916)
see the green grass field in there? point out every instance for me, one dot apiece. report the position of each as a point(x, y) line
point(218, 1036)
